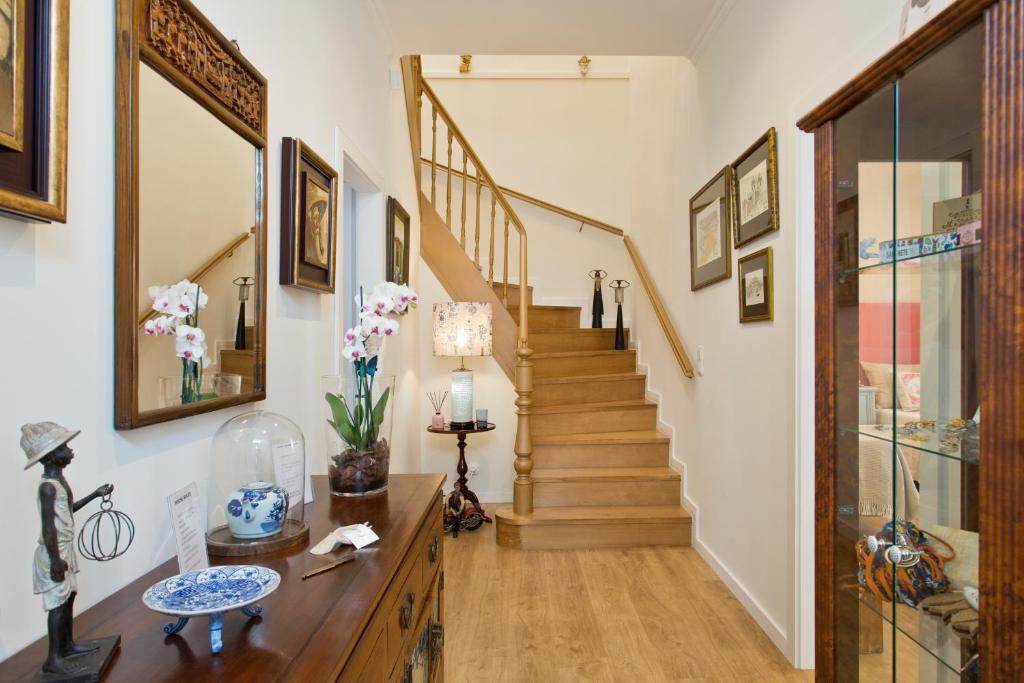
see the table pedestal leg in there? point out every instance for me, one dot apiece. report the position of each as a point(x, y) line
point(462, 469)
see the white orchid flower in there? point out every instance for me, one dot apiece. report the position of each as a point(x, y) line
point(378, 326)
point(165, 325)
point(354, 351)
point(150, 328)
point(354, 334)
point(190, 335)
point(155, 292)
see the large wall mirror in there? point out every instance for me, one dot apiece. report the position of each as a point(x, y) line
point(191, 225)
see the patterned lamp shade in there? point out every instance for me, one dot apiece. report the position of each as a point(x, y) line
point(462, 328)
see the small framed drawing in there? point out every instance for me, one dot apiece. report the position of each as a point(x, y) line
point(309, 207)
point(397, 243)
point(755, 190)
point(756, 286)
point(710, 257)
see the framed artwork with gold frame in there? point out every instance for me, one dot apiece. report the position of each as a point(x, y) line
point(756, 285)
point(397, 243)
point(309, 209)
point(710, 255)
point(34, 109)
point(755, 191)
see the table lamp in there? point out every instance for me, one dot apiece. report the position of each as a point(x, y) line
point(462, 328)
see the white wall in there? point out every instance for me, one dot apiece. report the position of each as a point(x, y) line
point(736, 427)
point(56, 284)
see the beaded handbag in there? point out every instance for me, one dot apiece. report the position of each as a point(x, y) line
point(901, 563)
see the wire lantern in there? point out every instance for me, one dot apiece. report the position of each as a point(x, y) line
point(94, 536)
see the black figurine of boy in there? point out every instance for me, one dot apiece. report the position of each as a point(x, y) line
point(55, 565)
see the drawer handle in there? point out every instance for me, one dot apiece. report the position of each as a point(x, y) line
point(434, 546)
point(405, 613)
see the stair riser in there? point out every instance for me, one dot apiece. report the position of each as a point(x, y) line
point(513, 293)
point(601, 455)
point(544, 317)
point(559, 494)
point(573, 340)
point(590, 391)
point(610, 535)
point(576, 366)
point(619, 420)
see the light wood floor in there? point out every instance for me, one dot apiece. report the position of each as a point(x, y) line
point(649, 614)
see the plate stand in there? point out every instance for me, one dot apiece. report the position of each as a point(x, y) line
point(216, 625)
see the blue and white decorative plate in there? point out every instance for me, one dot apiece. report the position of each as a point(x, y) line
point(207, 591)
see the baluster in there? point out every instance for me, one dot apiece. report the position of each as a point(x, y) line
point(462, 235)
point(504, 296)
point(433, 156)
point(476, 231)
point(490, 251)
point(448, 207)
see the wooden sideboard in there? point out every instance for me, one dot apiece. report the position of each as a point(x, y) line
point(378, 619)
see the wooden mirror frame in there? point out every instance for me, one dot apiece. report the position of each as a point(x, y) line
point(157, 33)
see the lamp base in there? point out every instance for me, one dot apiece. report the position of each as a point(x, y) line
point(456, 426)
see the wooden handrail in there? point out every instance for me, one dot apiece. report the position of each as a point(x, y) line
point(659, 308)
point(529, 199)
point(522, 488)
point(209, 265)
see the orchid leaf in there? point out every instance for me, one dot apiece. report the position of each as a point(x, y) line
point(378, 411)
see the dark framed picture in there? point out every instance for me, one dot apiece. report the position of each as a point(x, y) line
point(756, 286)
point(12, 74)
point(34, 108)
point(397, 243)
point(710, 254)
point(755, 190)
point(309, 210)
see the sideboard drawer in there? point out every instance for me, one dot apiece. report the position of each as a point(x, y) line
point(433, 549)
point(404, 610)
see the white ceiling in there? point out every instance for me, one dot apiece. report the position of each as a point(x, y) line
point(548, 27)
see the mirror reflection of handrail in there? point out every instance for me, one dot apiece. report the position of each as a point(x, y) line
point(224, 253)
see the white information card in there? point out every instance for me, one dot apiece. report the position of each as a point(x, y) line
point(189, 528)
point(288, 466)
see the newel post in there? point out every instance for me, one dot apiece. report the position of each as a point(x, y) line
point(522, 490)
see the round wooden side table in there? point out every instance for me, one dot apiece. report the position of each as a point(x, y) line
point(462, 467)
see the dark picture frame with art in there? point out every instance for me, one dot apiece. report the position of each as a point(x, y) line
point(397, 243)
point(34, 109)
point(756, 285)
point(710, 251)
point(309, 218)
point(755, 191)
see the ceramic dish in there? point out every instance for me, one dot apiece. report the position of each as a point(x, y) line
point(208, 591)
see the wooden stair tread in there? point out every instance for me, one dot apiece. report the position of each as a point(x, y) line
point(571, 379)
point(549, 308)
point(591, 407)
point(581, 330)
point(640, 514)
point(604, 474)
point(580, 354)
point(601, 438)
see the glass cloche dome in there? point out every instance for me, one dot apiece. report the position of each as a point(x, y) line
point(257, 485)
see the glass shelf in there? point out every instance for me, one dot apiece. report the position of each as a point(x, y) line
point(929, 633)
point(931, 445)
point(910, 261)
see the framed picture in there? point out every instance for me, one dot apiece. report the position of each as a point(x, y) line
point(755, 191)
point(34, 108)
point(756, 288)
point(397, 243)
point(309, 208)
point(12, 74)
point(710, 256)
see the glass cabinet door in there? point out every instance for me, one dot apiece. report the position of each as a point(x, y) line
point(908, 229)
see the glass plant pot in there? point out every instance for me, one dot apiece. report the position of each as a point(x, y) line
point(214, 385)
point(358, 437)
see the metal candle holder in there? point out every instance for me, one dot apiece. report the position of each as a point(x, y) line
point(598, 308)
point(620, 295)
point(244, 284)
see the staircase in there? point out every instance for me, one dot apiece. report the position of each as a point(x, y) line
point(591, 465)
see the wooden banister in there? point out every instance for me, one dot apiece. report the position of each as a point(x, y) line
point(226, 252)
point(659, 308)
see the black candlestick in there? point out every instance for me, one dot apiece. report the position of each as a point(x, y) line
point(620, 332)
point(597, 311)
point(244, 283)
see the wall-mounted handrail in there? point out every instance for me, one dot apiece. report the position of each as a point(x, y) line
point(529, 199)
point(225, 253)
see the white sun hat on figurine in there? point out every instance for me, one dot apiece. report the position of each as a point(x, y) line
point(40, 438)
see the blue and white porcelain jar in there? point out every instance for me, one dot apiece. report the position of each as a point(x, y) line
point(257, 510)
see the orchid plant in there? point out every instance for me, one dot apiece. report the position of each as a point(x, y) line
point(358, 425)
point(180, 305)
